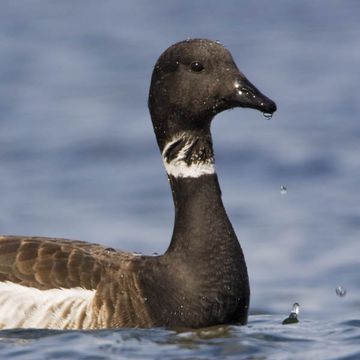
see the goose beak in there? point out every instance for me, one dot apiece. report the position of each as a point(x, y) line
point(246, 95)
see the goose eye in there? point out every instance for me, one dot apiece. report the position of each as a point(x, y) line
point(196, 66)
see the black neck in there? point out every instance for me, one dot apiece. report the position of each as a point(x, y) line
point(201, 223)
point(204, 246)
point(202, 278)
point(202, 229)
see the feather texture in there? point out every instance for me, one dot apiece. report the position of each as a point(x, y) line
point(47, 273)
point(27, 307)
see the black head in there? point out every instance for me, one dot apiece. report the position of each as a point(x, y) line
point(193, 81)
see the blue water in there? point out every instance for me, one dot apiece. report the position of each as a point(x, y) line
point(264, 338)
point(78, 160)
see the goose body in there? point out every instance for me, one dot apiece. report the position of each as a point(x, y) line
point(201, 279)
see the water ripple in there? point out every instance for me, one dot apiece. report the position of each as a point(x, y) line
point(263, 338)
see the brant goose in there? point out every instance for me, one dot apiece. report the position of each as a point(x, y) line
point(202, 279)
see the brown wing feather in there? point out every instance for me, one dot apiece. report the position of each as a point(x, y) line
point(47, 262)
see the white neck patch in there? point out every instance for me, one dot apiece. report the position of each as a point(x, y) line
point(180, 168)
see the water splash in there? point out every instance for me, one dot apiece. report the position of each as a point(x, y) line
point(340, 291)
point(293, 316)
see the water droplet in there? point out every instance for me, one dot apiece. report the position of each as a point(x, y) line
point(283, 190)
point(295, 309)
point(293, 316)
point(340, 291)
point(145, 299)
point(267, 116)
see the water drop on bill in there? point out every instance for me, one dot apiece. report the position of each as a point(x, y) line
point(267, 116)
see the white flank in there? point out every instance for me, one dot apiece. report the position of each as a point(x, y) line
point(179, 168)
point(26, 307)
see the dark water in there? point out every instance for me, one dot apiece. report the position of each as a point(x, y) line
point(264, 338)
point(78, 160)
